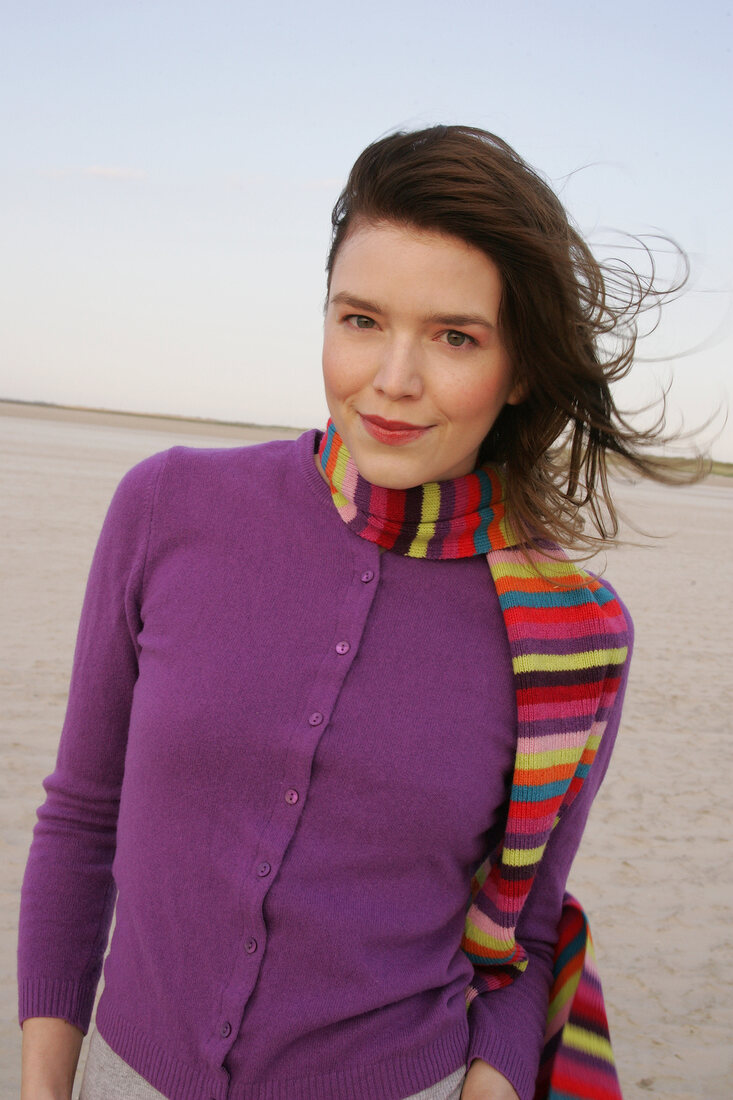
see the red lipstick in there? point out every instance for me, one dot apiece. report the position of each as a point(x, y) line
point(392, 432)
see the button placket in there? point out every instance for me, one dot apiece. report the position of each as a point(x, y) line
point(333, 664)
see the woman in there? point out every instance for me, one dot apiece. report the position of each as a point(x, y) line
point(302, 716)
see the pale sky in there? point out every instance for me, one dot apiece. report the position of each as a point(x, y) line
point(168, 171)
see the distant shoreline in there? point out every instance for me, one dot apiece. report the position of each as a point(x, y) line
point(168, 422)
point(43, 410)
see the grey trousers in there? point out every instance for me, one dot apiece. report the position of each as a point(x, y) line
point(107, 1077)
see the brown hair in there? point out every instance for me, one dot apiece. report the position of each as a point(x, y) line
point(559, 308)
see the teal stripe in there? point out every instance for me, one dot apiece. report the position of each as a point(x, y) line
point(570, 950)
point(540, 792)
point(328, 443)
point(481, 539)
point(603, 596)
point(569, 597)
point(486, 490)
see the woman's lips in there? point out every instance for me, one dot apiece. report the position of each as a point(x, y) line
point(392, 432)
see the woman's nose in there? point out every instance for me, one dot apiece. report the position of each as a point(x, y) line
point(399, 373)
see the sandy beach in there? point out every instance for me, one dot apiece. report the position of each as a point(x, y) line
point(655, 871)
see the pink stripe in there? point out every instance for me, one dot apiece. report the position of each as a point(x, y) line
point(461, 497)
point(569, 708)
point(534, 556)
point(351, 475)
point(489, 927)
point(378, 501)
point(526, 631)
point(532, 826)
point(589, 963)
point(554, 742)
point(372, 532)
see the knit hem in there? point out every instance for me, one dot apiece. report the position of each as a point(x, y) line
point(391, 1079)
point(176, 1079)
point(60, 998)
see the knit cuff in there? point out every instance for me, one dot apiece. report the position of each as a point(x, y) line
point(65, 1000)
point(503, 1056)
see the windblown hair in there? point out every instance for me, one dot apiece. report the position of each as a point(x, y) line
point(568, 322)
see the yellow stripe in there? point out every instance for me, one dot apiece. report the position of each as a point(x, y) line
point(428, 515)
point(522, 857)
point(497, 947)
point(526, 761)
point(507, 531)
point(521, 570)
point(430, 503)
point(419, 545)
point(587, 1042)
point(557, 662)
point(564, 995)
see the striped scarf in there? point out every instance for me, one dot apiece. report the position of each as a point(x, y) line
point(568, 643)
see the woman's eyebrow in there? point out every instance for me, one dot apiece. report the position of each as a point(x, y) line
point(458, 320)
point(346, 299)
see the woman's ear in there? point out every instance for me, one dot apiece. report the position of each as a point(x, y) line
point(519, 392)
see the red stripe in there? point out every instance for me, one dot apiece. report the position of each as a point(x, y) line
point(571, 968)
point(549, 695)
point(565, 614)
point(496, 535)
point(395, 508)
point(466, 544)
point(534, 810)
point(586, 1082)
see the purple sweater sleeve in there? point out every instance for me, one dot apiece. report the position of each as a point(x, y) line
point(500, 1019)
point(61, 945)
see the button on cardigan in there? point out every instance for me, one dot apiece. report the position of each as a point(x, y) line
point(284, 755)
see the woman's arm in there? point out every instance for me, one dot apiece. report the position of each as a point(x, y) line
point(68, 890)
point(483, 1082)
point(50, 1054)
point(507, 1026)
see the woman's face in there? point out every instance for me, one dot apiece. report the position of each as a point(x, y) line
point(413, 363)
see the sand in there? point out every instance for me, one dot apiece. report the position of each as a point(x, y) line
point(655, 871)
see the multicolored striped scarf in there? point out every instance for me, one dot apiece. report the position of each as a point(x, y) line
point(568, 642)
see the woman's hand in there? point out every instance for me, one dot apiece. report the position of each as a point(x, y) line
point(483, 1082)
point(50, 1053)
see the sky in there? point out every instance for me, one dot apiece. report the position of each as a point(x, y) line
point(167, 172)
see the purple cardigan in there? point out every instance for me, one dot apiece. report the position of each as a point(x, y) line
point(284, 754)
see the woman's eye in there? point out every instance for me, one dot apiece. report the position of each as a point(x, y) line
point(458, 339)
point(359, 321)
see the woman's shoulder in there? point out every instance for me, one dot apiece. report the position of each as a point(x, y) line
point(611, 593)
point(184, 470)
point(187, 489)
point(206, 462)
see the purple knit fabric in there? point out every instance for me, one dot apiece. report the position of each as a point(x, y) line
point(288, 753)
